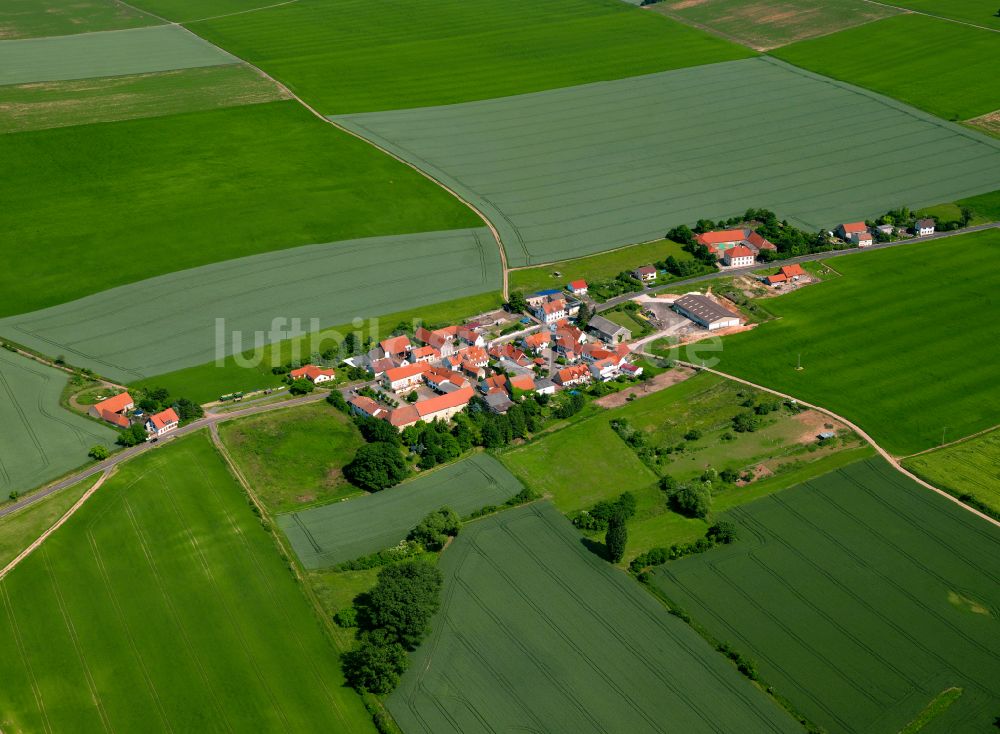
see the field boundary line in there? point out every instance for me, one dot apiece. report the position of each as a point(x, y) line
point(952, 443)
point(238, 12)
point(19, 643)
point(328, 121)
point(911, 11)
point(893, 461)
point(57, 524)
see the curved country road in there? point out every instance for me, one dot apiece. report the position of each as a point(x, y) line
point(857, 429)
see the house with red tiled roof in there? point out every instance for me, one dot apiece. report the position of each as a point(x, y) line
point(524, 381)
point(403, 416)
point(493, 383)
point(604, 370)
point(758, 242)
point(443, 407)
point(847, 230)
point(578, 287)
point(396, 347)
point(470, 336)
point(314, 374)
point(425, 354)
point(444, 380)
point(631, 370)
point(441, 339)
point(862, 239)
point(114, 409)
point(162, 422)
point(537, 342)
point(364, 405)
point(475, 355)
point(574, 375)
point(400, 378)
point(792, 271)
point(551, 311)
point(776, 279)
point(924, 227)
point(720, 241)
point(739, 256)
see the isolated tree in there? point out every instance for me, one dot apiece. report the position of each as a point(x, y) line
point(99, 452)
point(376, 466)
point(375, 663)
point(967, 215)
point(301, 386)
point(337, 401)
point(412, 396)
point(133, 435)
point(375, 430)
point(403, 601)
point(723, 531)
point(517, 303)
point(188, 410)
point(692, 500)
point(616, 538)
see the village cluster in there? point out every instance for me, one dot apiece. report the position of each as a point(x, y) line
point(120, 411)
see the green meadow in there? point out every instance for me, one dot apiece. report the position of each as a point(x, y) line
point(360, 56)
point(136, 51)
point(39, 439)
point(538, 634)
point(894, 344)
point(341, 531)
point(163, 606)
point(945, 68)
point(572, 172)
point(42, 105)
point(860, 597)
point(977, 12)
point(971, 467)
point(183, 11)
point(114, 204)
point(22, 528)
point(294, 457)
point(34, 18)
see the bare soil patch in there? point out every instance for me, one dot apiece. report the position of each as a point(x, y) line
point(660, 382)
point(815, 423)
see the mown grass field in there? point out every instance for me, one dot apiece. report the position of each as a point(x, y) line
point(34, 18)
point(861, 596)
point(538, 634)
point(294, 457)
point(39, 439)
point(767, 24)
point(895, 344)
point(119, 203)
point(38, 106)
point(572, 172)
point(136, 51)
point(162, 605)
point(332, 283)
point(594, 268)
point(22, 528)
point(205, 382)
point(587, 462)
point(341, 531)
point(360, 56)
point(971, 467)
point(188, 10)
point(945, 68)
point(977, 12)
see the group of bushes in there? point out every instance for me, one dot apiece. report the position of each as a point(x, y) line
point(721, 533)
point(612, 516)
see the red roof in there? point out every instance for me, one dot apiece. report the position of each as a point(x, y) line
point(401, 373)
point(522, 382)
point(537, 340)
point(572, 373)
point(790, 271)
point(115, 404)
point(759, 242)
point(117, 418)
point(578, 285)
point(427, 351)
point(739, 251)
point(404, 415)
point(476, 355)
point(554, 306)
point(646, 270)
point(395, 344)
point(311, 372)
point(164, 418)
point(720, 236)
point(366, 405)
point(444, 402)
point(779, 278)
point(853, 227)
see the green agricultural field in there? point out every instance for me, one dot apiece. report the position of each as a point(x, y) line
point(207, 382)
point(971, 467)
point(325, 536)
point(575, 171)
point(332, 284)
point(588, 462)
point(538, 634)
point(360, 56)
point(184, 11)
point(880, 344)
point(37, 106)
point(294, 457)
point(976, 12)
point(596, 267)
point(985, 206)
point(122, 202)
point(861, 597)
point(39, 439)
point(22, 528)
point(136, 51)
point(945, 68)
point(767, 24)
point(162, 605)
point(33, 18)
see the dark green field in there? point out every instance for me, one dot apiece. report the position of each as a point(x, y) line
point(364, 55)
point(330, 534)
point(861, 596)
point(945, 68)
point(112, 204)
point(538, 634)
point(895, 344)
point(163, 606)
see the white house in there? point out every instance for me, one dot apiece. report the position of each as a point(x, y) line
point(578, 287)
point(314, 374)
point(552, 311)
point(162, 422)
point(924, 227)
point(646, 273)
point(400, 378)
point(862, 239)
point(737, 257)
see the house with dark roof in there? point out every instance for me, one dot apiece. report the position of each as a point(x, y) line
point(608, 331)
point(924, 227)
point(646, 273)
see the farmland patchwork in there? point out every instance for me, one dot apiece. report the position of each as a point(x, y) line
point(39, 439)
point(575, 171)
point(135, 51)
point(325, 536)
point(333, 283)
